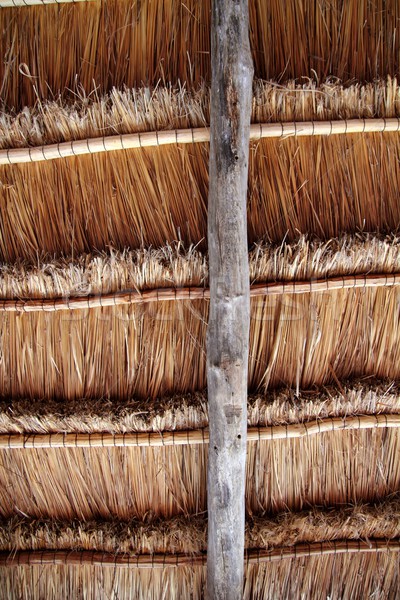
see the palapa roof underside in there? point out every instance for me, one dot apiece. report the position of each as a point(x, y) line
point(104, 298)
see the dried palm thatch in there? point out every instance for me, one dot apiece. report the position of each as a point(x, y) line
point(112, 44)
point(364, 575)
point(341, 576)
point(52, 582)
point(180, 535)
point(150, 197)
point(158, 348)
point(179, 412)
point(95, 483)
point(137, 197)
point(172, 266)
point(166, 108)
point(151, 349)
point(188, 535)
point(139, 367)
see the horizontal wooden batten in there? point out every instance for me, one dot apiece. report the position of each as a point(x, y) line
point(19, 3)
point(161, 561)
point(196, 293)
point(153, 139)
point(194, 437)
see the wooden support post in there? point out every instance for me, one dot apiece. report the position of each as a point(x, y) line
point(229, 317)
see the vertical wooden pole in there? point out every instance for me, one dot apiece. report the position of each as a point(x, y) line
point(229, 319)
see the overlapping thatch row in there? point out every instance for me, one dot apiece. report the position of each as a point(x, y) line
point(135, 197)
point(188, 535)
point(112, 44)
point(329, 469)
point(338, 467)
point(360, 576)
point(159, 348)
point(153, 196)
point(163, 108)
point(182, 412)
point(152, 349)
point(172, 266)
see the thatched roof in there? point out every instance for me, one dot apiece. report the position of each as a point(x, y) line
point(104, 298)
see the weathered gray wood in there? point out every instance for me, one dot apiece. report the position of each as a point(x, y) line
point(228, 329)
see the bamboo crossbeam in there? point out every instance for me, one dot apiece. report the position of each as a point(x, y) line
point(193, 136)
point(161, 561)
point(19, 3)
point(196, 293)
point(195, 437)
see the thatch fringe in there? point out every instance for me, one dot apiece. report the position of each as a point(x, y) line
point(112, 44)
point(192, 437)
point(166, 109)
point(187, 535)
point(282, 408)
point(193, 136)
point(105, 274)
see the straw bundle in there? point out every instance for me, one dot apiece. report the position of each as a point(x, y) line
point(112, 44)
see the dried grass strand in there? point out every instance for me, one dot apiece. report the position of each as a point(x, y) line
point(193, 136)
point(194, 436)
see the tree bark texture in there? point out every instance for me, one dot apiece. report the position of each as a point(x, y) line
point(229, 318)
